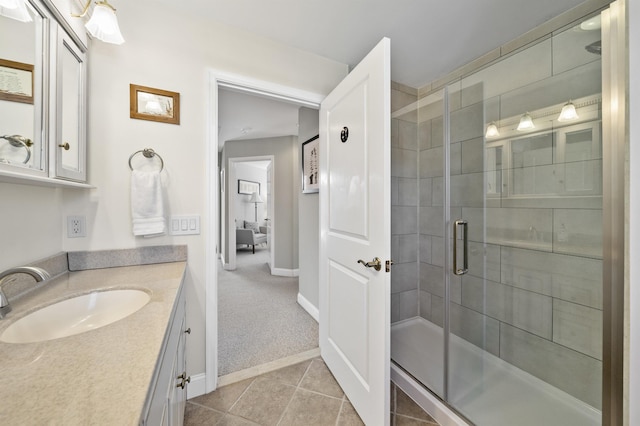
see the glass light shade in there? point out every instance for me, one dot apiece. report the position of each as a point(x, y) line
point(103, 24)
point(526, 123)
point(492, 131)
point(568, 112)
point(15, 9)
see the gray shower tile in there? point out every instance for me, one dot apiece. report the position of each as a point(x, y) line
point(404, 220)
point(476, 328)
point(437, 251)
point(484, 261)
point(578, 327)
point(472, 93)
point(432, 279)
point(431, 162)
point(403, 163)
point(467, 123)
point(437, 192)
point(575, 373)
point(408, 304)
point(431, 221)
point(400, 99)
point(425, 304)
point(395, 307)
point(408, 191)
point(395, 191)
point(404, 277)
point(437, 310)
point(455, 158)
point(578, 231)
point(520, 308)
point(407, 249)
point(437, 132)
point(467, 190)
point(473, 156)
point(425, 191)
point(408, 135)
point(424, 135)
point(425, 248)
point(526, 228)
point(571, 278)
point(538, 180)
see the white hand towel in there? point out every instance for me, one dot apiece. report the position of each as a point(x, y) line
point(147, 209)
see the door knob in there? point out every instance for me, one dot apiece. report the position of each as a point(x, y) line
point(65, 146)
point(376, 263)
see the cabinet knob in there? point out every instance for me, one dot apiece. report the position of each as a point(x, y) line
point(65, 145)
point(188, 330)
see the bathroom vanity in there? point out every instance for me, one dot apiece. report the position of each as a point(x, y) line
point(131, 371)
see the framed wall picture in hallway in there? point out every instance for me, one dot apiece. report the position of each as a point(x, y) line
point(310, 160)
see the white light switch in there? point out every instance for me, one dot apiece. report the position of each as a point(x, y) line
point(185, 225)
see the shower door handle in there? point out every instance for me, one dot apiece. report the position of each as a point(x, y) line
point(465, 251)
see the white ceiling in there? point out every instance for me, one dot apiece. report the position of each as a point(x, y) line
point(429, 39)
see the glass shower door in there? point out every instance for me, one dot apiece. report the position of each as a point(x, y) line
point(523, 327)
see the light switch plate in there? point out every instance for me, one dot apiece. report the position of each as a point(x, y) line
point(184, 225)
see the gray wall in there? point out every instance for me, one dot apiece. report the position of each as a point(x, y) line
point(308, 217)
point(286, 188)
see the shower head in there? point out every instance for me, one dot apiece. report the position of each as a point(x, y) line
point(595, 47)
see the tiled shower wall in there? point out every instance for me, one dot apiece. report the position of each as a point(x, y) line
point(533, 294)
point(404, 207)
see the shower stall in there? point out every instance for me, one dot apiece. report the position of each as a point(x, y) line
point(497, 234)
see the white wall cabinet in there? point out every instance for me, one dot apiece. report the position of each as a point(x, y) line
point(44, 126)
point(168, 391)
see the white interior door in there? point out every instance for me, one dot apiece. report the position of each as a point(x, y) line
point(355, 225)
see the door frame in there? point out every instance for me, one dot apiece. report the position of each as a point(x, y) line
point(248, 85)
point(230, 225)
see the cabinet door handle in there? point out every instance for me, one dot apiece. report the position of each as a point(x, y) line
point(188, 330)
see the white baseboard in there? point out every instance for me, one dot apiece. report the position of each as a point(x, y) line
point(308, 306)
point(197, 386)
point(281, 272)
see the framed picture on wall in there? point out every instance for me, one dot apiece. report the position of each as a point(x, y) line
point(248, 187)
point(310, 165)
point(147, 103)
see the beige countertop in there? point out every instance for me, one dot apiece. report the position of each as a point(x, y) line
point(100, 377)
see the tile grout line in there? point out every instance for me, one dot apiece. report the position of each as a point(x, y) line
point(340, 410)
point(294, 392)
point(241, 395)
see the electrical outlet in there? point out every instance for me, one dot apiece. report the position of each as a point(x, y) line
point(76, 226)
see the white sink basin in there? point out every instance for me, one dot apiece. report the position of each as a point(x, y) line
point(75, 316)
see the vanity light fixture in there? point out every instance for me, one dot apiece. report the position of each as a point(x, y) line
point(568, 113)
point(526, 123)
point(15, 9)
point(103, 23)
point(492, 130)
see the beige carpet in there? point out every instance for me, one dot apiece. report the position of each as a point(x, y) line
point(259, 319)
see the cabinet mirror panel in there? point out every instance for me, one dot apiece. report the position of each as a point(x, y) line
point(23, 90)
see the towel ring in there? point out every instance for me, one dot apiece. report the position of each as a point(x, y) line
point(148, 153)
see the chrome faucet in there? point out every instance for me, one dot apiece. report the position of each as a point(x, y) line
point(38, 274)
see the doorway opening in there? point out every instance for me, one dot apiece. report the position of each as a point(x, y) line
point(261, 90)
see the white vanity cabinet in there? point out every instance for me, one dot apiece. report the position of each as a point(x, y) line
point(167, 396)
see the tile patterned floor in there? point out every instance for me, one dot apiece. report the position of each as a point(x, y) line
point(301, 394)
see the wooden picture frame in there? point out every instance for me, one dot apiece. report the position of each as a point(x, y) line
point(310, 165)
point(16, 81)
point(248, 187)
point(147, 103)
